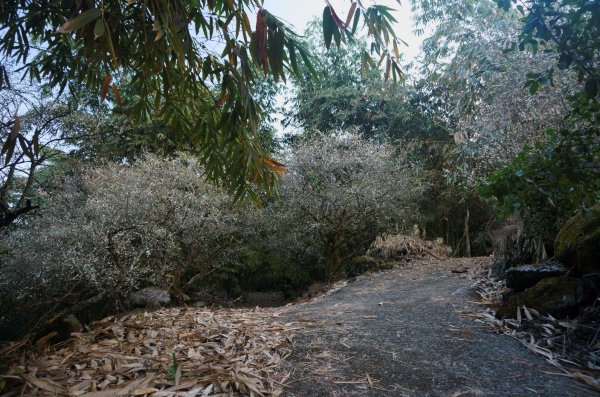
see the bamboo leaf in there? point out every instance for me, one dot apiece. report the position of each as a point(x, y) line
point(293, 59)
point(24, 146)
point(99, 28)
point(356, 20)
point(36, 142)
point(328, 26)
point(117, 95)
point(15, 128)
point(80, 21)
point(10, 148)
point(351, 13)
point(260, 37)
point(105, 87)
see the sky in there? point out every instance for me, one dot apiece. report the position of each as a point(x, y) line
point(298, 13)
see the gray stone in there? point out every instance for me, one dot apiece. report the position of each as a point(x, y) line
point(558, 296)
point(522, 277)
point(151, 297)
point(499, 268)
point(265, 299)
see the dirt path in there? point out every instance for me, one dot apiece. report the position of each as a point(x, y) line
point(401, 333)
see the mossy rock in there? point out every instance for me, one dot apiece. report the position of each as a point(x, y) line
point(558, 296)
point(577, 245)
point(59, 330)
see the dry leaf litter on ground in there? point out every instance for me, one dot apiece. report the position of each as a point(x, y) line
point(170, 352)
point(572, 346)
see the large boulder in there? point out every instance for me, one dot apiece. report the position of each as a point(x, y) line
point(151, 297)
point(558, 296)
point(520, 278)
point(577, 245)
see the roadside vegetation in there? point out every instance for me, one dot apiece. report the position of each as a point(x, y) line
point(137, 154)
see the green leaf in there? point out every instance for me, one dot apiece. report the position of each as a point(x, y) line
point(534, 87)
point(356, 20)
point(328, 27)
point(293, 59)
point(24, 146)
point(99, 29)
point(564, 61)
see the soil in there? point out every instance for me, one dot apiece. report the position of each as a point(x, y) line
point(406, 332)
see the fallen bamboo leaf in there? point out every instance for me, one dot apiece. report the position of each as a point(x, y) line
point(46, 385)
point(370, 381)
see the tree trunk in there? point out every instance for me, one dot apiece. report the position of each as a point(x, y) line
point(467, 238)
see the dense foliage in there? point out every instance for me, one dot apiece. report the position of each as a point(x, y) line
point(139, 172)
point(340, 194)
point(190, 64)
point(550, 181)
point(114, 229)
point(111, 231)
point(501, 102)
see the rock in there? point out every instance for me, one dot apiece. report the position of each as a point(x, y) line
point(499, 268)
point(577, 245)
point(558, 296)
point(594, 278)
point(151, 297)
point(265, 299)
point(59, 331)
point(520, 278)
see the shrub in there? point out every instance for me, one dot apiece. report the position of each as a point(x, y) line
point(400, 246)
point(341, 192)
point(545, 185)
point(119, 228)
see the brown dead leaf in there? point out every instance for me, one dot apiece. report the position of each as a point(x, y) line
point(459, 330)
point(370, 381)
point(240, 348)
point(144, 390)
point(44, 384)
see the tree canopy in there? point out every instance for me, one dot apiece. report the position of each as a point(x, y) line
point(191, 65)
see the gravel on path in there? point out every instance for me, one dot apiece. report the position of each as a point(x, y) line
point(403, 332)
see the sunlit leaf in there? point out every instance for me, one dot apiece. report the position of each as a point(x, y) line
point(80, 20)
point(99, 29)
